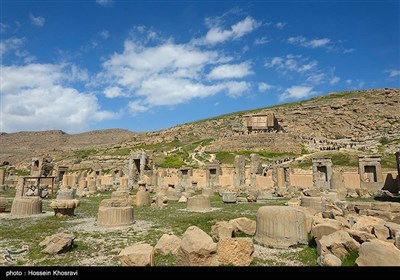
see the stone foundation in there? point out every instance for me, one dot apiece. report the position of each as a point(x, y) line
point(26, 206)
point(199, 203)
point(281, 226)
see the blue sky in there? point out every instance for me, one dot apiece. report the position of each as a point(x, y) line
point(148, 65)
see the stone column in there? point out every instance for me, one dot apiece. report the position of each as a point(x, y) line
point(398, 170)
point(255, 168)
point(239, 175)
point(2, 176)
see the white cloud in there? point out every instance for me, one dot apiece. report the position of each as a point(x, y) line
point(38, 21)
point(236, 89)
point(349, 50)
point(304, 42)
point(261, 41)
point(3, 28)
point(136, 107)
point(37, 97)
point(280, 25)
point(10, 44)
point(217, 34)
point(226, 71)
point(290, 62)
point(296, 92)
point(113, 92)
point(349, 81)
point(104, 34)
point(334, 80)
point(393, 73)
point(263, 87)
point(104, 3)
point(169, 74)
point(316, 78)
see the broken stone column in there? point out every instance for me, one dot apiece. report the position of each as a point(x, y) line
point(173, 194)
point(337, 185)
point(123, 182)
point(3, 204)
point(281, 226)
point(316, 203)
point(397, 154)
point(115, 212)
point(65, 203)
point(229, 197)
point(26, 206)
point(239, 175)
point(142, 195)
point(255, 169)
point(199, 203)
point(2, 176)
point(92, 186)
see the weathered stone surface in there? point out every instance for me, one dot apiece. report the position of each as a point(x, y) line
point(384, 215)
point(173, 194)
point(244, 225)
point(207, 191)
point(137, 255)
point(393, 228)
point(167, 244)
point(381, 232)
point(64, 206)
point(197, 249)
point(312, 192)
point(114, 203)
point(26, 206)
point(235, 251)
point(3, 204)
point(183, 199)
point(281, 226)
point(329, 260)
point(381, 206)
point(229, 197)
point(366, 223)
point(323, 229)
point(397, 240)
point(115, 216)
point(360, 236)
point(222, 230)
point(142, 198)
point(394, 207)
point(338, 243)
point(315, 203)
point(378, 253)
point(294, 202)
point(160, 201)
point(199, 203)
point(57, 243)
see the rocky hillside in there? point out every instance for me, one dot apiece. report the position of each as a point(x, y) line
point(21, 145)
point(371, 117)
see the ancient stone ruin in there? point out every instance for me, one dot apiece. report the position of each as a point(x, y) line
point(116, 211)
point(370, 173)
point(322, 172)
point(281, 226)
point(65, 203)
point(199, 203)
